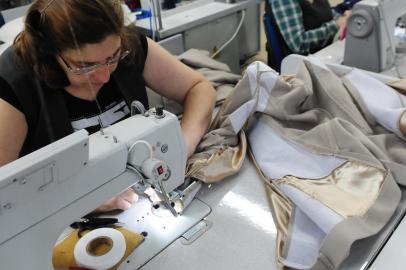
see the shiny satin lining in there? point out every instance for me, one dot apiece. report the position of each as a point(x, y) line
point(281, 209)
point(350, 190)
point(222, 163)
point(402, 123)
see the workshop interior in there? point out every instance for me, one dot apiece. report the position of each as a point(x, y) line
point(303, 165)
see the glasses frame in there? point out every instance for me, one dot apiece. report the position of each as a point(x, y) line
point(91, 69)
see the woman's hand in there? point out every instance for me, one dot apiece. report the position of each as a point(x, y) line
point(123, 201)
point(342, 20)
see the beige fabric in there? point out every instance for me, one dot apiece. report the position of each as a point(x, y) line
point(317, 112)
point(402, 123)
point(399, 85)
point(281, 209)
point(350, 190)
point(222, 151)
point(216, 164)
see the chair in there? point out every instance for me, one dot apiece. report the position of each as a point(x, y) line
point(2, 22)
point(276, 46)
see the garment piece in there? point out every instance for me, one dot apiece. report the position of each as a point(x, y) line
point(384, 103)
point(306, 26)
point(399, 85)
point(313, 121)
point(45, 108)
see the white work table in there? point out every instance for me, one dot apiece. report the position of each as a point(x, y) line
point(334, 53)
point(242, 233)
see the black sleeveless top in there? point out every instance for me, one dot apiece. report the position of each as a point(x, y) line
point(52, 113)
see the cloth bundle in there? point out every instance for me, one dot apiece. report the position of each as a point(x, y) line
point(330, 150)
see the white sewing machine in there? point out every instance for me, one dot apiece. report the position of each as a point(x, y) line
point(43, 192)
point(370, 42)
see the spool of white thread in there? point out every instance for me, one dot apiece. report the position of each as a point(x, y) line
point(84, 249)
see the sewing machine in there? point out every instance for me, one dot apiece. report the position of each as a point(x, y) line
point(370, 42)
point(45, 191)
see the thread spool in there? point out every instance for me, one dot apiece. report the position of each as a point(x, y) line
point(100, 249)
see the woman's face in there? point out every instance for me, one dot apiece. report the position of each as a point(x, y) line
point(85, 67)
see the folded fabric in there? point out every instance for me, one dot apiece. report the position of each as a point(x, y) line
point(329, 163)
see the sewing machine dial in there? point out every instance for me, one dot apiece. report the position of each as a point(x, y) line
point(360, 23)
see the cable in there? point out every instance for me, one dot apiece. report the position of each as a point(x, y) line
point(137, 105)
point(152, 8)
point(151, 153)
point(232, 37)
point(135, 170)
point(151, 31)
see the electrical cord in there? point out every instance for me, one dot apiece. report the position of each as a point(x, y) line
point(232, 37)
point(149, 146)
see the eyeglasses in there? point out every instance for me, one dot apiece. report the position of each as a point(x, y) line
point(92, 68)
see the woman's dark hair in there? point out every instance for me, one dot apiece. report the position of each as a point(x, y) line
point(52, 26)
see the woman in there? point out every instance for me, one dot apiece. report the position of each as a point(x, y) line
point(75, 65)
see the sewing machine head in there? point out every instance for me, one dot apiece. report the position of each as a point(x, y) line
point(45, 191)
point(371, 42)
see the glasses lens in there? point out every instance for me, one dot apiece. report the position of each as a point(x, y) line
point(85, 70)
point(90, 69)
point(118, 58)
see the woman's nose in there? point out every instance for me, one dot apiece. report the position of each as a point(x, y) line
point(102, 74)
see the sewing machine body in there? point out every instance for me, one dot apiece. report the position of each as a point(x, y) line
point(370, 42)
point(42, 193)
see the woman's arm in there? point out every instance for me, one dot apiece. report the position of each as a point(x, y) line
point(13, 131)
point(167, 76)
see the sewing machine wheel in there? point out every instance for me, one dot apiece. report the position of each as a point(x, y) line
point(360, 23)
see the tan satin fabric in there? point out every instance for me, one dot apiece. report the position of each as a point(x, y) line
point(402, 123)
point(399, 85)
point(226, 161)
point(281, 209)
point(350, 190)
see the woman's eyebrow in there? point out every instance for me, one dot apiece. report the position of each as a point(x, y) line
point(86, 63)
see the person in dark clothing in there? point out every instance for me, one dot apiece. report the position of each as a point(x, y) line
point(306, 26)
point(75, 65)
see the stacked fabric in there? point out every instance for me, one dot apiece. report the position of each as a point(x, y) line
point(331, 151)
